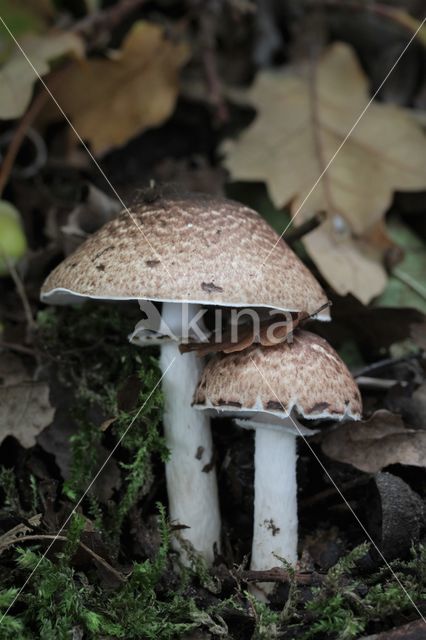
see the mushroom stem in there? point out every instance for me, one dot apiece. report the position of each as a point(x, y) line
point(275, 501)
point(190, 472)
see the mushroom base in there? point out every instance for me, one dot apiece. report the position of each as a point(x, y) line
point(190, 472)
point(275, 503)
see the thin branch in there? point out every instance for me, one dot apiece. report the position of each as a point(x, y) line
point(44, 537)
point(306, 227)
point(106, 18)
point(19, 348)
point(409, 281)
point(396, 15)
point(381, 365)
point(379, 383)
point(331, 492)
point(277, 574)
point(31, 325)
point(19, 137)
point(208, 26)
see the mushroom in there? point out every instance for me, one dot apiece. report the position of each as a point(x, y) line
point(265, 388)
point(187, 252)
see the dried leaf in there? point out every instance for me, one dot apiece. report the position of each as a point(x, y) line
point(86, 217)
point(10, 537)
point(17, 77)
point(373, 445)
point(302, 120)
point(346, 268)
point(410, 406)
point(110, 101)
point(25, 409)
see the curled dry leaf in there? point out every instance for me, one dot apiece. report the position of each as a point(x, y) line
point(17, 76)
point(25, 409)
point(109, 101)
point(303, 118)
point(376, 443)
point(87, 217)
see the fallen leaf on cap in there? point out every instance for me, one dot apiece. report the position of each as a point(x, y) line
point(109, 101)
point(17, 76)
point(25, 409)
point(303, 117)
point(373, 445)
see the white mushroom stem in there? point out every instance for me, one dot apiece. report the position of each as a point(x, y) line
point(275, 500)
point(190, 472)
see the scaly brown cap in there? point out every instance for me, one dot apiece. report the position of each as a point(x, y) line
point(306, 375)
point(194, 248)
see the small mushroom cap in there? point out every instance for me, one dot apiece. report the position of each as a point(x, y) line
point(306, 376)
point(199, 249)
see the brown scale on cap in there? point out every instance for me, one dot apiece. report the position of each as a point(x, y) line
point(212, 248)
point(306, 374)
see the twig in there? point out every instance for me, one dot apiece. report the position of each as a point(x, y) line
point(19, 136)
point(332, 491)
point(384, 364)
point(406, 279)
point(10, 536)
point(40, 537)
point(19, 348)
point(106, 18)
point(395, 14)
point(306, 227)
point(207, 23)
point(31, 325)
point(378, 383)
point(277, 574)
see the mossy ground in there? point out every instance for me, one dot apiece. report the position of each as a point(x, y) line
point(137, 589)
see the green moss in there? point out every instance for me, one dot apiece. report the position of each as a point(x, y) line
point(343, 607)
point(58, 599)
point(93, 357)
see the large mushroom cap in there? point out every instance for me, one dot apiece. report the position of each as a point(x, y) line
point(197, 249)
point(306, 375)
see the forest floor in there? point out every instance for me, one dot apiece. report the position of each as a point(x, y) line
point(104, 567)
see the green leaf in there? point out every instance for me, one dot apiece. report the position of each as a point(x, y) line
point(13, 243)
point(405, 287)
